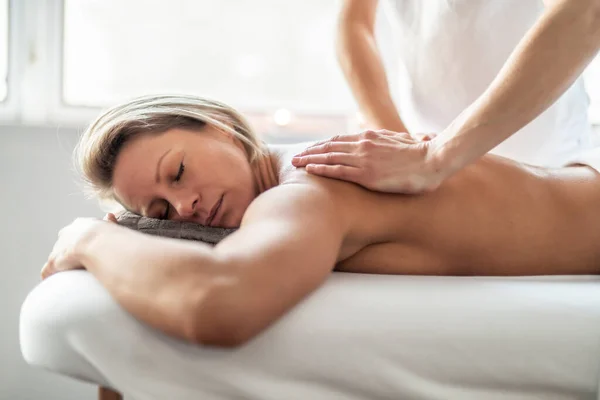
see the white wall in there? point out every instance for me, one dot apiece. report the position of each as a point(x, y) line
point(39, 196)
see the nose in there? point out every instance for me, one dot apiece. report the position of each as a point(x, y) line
point(186, 206)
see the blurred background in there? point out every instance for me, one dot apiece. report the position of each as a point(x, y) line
point(62, 61)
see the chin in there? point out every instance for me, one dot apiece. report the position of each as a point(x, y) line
point(233, 221)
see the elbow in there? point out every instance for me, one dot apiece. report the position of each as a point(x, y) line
point(223, 334)
point(221, 317)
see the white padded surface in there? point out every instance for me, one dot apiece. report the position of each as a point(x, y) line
point(357, 337)
point(590, 157)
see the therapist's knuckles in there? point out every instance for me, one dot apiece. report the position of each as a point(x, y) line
point(326, 147)
point(327, 158)
point(370, 134)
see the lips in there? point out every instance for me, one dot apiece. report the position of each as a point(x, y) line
point(214, 211)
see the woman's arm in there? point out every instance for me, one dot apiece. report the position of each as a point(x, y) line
point(362, 65)
point(287, 245)
point(546, 62)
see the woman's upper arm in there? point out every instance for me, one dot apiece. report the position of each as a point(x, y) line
point(361, 12)
point(287, 245)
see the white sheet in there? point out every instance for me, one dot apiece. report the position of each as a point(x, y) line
point(357, 337)
point(590, 157)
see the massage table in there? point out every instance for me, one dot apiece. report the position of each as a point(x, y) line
point(356, 337)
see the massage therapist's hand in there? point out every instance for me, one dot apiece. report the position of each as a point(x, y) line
point(66, 254)
point(381, 160)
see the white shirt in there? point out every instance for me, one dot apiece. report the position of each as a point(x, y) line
point(451, 50)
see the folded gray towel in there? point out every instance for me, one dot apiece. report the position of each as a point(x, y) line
point(173, 229)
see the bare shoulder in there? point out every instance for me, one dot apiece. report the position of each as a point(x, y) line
point(290, 176)
point(303, 196)
point(304, 200)
point(365, 214)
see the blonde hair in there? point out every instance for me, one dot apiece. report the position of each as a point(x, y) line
point(97, 150)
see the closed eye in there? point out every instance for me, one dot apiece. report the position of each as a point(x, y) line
point(180, 172)
point(177, 178)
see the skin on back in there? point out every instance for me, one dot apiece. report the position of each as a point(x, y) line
point(496, 217)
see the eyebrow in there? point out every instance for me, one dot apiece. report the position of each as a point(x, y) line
point(158, 166)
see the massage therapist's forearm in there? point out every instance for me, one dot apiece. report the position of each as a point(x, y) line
point(362, 66)
point(545, 63)
point(163, 282)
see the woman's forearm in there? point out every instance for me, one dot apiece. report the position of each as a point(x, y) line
point(160, 281)
point(363, 68)
point(545, 63)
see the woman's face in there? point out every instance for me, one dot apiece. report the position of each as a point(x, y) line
point(202, 177)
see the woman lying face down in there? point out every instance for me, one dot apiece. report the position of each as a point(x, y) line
point(187, 158)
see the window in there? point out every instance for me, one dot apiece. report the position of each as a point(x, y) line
point(255, 55)
point(274, 60)
point(3, 49)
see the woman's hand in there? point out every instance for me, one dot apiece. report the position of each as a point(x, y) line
point(66, 254)
point(383, 161)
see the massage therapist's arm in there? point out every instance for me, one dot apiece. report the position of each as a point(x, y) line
point(362, 64)
point(548, 59)
point(553, 53)
point(287, 245)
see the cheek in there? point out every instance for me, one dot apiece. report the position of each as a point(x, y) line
point(233, 167)
point(240, 181)
point(225, 170)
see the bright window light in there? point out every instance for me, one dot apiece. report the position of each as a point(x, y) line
point(255, 55)
point(3, 49)
point(282, 117)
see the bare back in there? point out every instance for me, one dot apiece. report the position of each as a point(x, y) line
point(496, 217)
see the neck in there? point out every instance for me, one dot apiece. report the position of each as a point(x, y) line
point(266, 170)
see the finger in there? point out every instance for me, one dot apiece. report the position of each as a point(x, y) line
point(110, 217)
point(327, 158)
point(330, 147)
point(46, 271)
point(385, 132)
point(342, 172)
point(405, 139)
point(335, 139)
